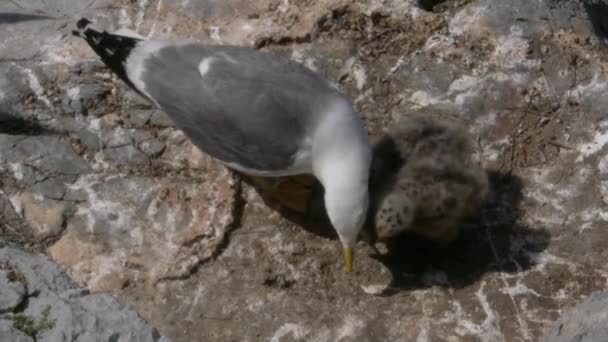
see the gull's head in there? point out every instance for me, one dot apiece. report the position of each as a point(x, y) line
point(347, 210)
point(341, 158)
point(345, 179)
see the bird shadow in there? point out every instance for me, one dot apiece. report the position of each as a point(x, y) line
point(598, 15)
point(428, 5)
point(11, 18)
point(439, 6)
point(14, 125)
point(494, 240)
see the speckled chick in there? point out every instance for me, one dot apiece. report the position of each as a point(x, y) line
point(437, 184)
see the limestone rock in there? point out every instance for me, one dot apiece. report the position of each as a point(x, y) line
point(58, 308)
point(140, 226)
point(585, 322)
point(13, 289)
point(9, 333)
point(127, 205)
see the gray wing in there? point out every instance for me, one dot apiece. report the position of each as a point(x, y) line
point(249, 108)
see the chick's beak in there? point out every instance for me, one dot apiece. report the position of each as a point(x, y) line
point(348, 259)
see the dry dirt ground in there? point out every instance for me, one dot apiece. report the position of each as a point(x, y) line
point(105, 185)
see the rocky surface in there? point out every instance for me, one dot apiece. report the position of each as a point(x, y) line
point(40, 303)
point(103, 183)
point(586, 322)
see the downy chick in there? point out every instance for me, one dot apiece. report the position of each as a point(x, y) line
point(437, 184)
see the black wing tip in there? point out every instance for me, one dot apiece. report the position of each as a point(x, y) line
point(81, 27)
point(113, 49)
point(82, 23)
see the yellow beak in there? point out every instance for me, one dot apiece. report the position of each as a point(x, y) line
point(348, 259)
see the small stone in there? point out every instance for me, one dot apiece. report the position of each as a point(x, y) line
point(132, 98)
point(160, 119)
point(72, 105)
point(110, 120)
point(89, 139)
point(45, 215)
point(544, 120)
point(49, 154)
point(375, 289)
point(139, 136)
point(544, 49)
point(53, 187)
point(126, 155)
point(116, 137)
point(139, 118)
point(78, 127)
point(152, 148)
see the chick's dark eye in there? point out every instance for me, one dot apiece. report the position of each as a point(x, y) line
point(450, 202)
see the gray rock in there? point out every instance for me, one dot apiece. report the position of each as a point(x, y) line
point(132, 194)
point(139, 117)
point(72, 106)
point(9, 333)
point(80, 129)
point(572, 13)
point(77, 106)
point(25, 174)
point(45, 215)
point(160, 119)
point(133, 99)
point(116, 137)
point(48, 154)
point(586, 322)
point(12, 291)
point(42, 277)
point(138, 136)
point(207, 8)
point(91, 140)
point(504, 14)
point(35, 22)
point(72, 313)
point(88, 95)
point(152, 147)
point(119, 136)
point(13, 86)
point(126, 155)
point(97, 317)
point(54, 187)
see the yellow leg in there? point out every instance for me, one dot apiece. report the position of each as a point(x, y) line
point(348, 259)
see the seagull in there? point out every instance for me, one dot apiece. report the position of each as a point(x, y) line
point(255, 112)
